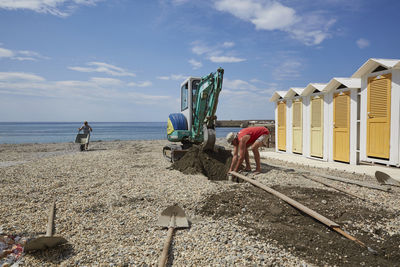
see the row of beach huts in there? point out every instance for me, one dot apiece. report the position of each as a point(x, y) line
point(350, 120)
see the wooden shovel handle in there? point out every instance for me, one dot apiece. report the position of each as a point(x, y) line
point(164, 255)
point(50, 222)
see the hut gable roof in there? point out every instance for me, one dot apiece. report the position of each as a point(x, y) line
point(294, 91)
point(277, 95)
point(311, 87)
point(347, 82)
point(373, 63)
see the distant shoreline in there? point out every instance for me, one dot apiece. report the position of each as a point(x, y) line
point(58, 132)
point(244, 123)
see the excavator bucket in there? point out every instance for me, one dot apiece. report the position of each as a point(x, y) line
point(173, 152)
point(209, 139)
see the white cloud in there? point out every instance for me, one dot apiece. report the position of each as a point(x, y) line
point(179, 2)
point(62, 8)
point(96, 88)
point(20, 55)
point(105, 81)
point(259, 108)
point(265, 15)
point(196, 64)
point(310, 28)
point(225, 59)
point(237, 84)
point(215, 53)
point(175, 77)
point(236, 91)
point(228, 44)
point(227, 92)
point(28, 55)
point(103, 68)
point(239, 93)
point(274, 17)
point(288, 69)
point(240, 87)
point(140, 84)
point(6, 53)
point(25, 58)
point(19, 76)
point(362, 43)
point(200, 49)
point(262, 82)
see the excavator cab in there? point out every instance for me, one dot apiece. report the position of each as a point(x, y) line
point(195, 124)
point(188, 99)
point(180, 124)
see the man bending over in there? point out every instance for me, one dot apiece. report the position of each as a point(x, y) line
point(253, 137)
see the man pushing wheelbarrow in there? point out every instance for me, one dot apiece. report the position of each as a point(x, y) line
point(83, 139)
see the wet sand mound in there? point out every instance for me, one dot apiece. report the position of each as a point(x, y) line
point(214, 165)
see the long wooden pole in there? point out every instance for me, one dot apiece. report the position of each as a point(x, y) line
point(359, 183)
point(334, 187)
point(331, 224)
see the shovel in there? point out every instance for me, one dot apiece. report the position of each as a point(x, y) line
point(384, 178)
point(172, 217)
point(47, 241)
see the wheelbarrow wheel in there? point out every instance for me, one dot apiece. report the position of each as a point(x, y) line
point(82, 147)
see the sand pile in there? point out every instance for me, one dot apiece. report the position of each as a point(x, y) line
point(214, 165)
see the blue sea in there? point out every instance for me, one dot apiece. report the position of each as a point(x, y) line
point(62, 132)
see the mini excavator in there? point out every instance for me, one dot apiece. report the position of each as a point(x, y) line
point(195, 124)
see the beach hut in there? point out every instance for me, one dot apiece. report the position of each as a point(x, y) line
point(342, 97)
point(295, 119)
point(380, 111)
point(280, 120)
point(316, 107)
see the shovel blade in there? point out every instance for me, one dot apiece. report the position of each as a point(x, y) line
point(173, 216)
point(44, 242)
point(381, 177)
point(384, 178)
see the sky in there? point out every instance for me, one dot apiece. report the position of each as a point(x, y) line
point(124, 60)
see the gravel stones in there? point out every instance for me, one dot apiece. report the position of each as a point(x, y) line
point(269, 218)
point(110, 197)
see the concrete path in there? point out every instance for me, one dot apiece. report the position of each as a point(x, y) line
point(359, 169)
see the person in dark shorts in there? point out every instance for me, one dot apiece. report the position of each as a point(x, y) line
point(253, 137)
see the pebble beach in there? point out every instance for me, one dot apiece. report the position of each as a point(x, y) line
point(109, 199)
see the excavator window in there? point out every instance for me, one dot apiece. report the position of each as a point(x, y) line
point(184, 97)
point(195, 85)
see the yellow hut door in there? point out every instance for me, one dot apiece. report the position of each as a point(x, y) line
point(317, 134)
point(297, 126)
point(282, 126)
point(341, 127)
point(378, 116)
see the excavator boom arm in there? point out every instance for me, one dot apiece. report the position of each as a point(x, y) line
point(206, 104)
